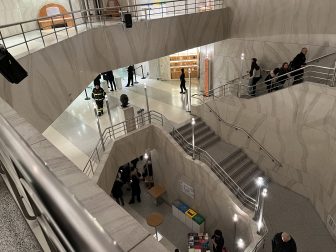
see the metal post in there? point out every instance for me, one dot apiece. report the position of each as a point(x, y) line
point(333, 80)
point(195, 6)
point(242, 58)
point(86, 96)
point(2, 39)
point(53, 24)
point(174, 8)
point(42, 38)
point(99, 129)
point(186, 101)
point(143, 76)
point(235, 220)
point(24, 37)
point(135, 80)
point(147, 105)
point(189, 71)
point(73, 16)
point(108, 110)
point(161, 10)
point(260, 183)
point(193, 136)
point(66, 27)
point(260, 221)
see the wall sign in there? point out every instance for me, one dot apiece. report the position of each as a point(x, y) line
point(187, 189)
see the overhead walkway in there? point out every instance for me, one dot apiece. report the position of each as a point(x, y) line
point(29, 39)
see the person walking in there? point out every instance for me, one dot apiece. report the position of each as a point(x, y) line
point(217, 241)
point(130, 79)
point(117, 192)
point(135, 186)
point(255, 76)
point(109, 77)
point(183, 82)
point(298, 62)
point(282, 77)
point(96, 81)
point(98, 94)
point(283, 242)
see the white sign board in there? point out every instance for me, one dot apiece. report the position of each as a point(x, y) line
point(53, 11)
point(187, 189)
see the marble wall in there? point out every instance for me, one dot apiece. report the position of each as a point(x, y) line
point(297, 126)
point(109, 215)
point(12, 11)
point(58, 73)
point(227, 62)
point(171, 165)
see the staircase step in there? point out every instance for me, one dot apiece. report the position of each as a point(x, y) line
point(247, 173)
point(232, 160)
point(238, 168)
point(198, 133)
point(186, 129)
point(249, 186)
point(209, 141)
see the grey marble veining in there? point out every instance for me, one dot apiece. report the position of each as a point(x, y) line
point(296, 125)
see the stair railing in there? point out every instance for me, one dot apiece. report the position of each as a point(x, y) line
point(249, 136)
point(78, 21)
point(156, 118)
point(65, 223)
point(320, 74)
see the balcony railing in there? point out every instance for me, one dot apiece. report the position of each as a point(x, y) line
point(25, 37)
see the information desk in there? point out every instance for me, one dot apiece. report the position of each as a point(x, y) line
point(198, 242)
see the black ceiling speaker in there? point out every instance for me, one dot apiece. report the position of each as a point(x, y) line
point(10, 68)
point(128, 20)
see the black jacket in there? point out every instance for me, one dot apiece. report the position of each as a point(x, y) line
point(130, 70)
point(282, 79)
point(279, 246)
point(108, 75)
point(182, 78)
point(298, 61)
point(97, 80)
point(116, 189)
point(220, 243)
point(98, 94)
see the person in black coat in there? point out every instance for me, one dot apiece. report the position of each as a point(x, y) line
point(217, 241)
point(117, 192)
point(130, 71)
point(183, 82)
point(109, 77)
point(283, 77)
point(283, 242)
point(135, 186)
point(96, 81)
point(298, 62)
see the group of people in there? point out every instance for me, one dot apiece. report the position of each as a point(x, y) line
point(129, 175)
point(276, 79)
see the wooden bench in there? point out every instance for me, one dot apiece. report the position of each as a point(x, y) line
point(52, 9)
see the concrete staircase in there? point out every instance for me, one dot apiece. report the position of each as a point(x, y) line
point(231, 159)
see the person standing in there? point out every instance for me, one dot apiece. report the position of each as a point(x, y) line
point(117, 192)
point(183, 82)
point(96, 81)
point(109, 77)
point(283, 242)
point(135, 186)
point(255, 74)
point(217, 241)
point(282, 77)
point(98, 94)
point(130, 71)
point(298, 62)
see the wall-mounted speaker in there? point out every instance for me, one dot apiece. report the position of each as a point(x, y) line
point(10, 68)
point(128, 20)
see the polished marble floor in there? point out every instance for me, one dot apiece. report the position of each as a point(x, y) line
point(75, 132)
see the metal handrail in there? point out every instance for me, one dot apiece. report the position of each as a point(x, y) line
point(95, 15)
point(152, 117)
point(66, 224)
point(241, 129)
point(228, 83)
